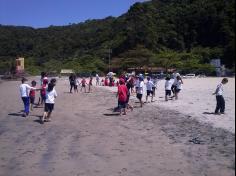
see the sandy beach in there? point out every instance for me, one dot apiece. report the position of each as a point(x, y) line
point(85, 138)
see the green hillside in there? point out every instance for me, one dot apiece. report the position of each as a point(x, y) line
point(184, 34)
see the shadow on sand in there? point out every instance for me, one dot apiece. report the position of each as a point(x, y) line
point(113, 114)
point(209, 113)
point(19, 114)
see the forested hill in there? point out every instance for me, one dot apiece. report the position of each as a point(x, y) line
point(150, 32)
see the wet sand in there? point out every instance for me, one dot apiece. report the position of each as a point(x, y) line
point(86, 138)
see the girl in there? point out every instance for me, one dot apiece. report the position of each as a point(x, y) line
point(51, 94)
point(90, 84)
point(43, 91)
point(83, 85)
point(179, 84)
point(122, 96)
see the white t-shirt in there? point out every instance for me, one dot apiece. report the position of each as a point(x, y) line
point(77, 82)
point(150, 85)
point(140, 87)
point(25, 90)
point(179, 85)
point(50, 96)
point(220, 89)
point(168, 85)
point(136, 83)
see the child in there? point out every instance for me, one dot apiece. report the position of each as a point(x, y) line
point(219, 97)
point(43, 91)
point(24, 91)
point(150, 86)
point(122, 96)
point(155, 81)
point(51, 94)
point(32, 95)
point(179, 83)
point(90, 84)
point(83, 85)
point(168, 86)
point(97, 80)
point(76, 85)
point(140, 91)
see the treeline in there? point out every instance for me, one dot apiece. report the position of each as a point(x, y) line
point(185, 34)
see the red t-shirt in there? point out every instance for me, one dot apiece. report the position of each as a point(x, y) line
point(32, 93)
point(43, 91)
point(83, 82)
point(122, 93)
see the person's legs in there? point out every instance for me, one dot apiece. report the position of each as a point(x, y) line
point(222, 105)
point(71, 87)
point(217, 104)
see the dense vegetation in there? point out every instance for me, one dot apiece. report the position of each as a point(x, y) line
point(184, 34)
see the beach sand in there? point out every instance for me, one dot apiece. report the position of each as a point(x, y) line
point(85, 138)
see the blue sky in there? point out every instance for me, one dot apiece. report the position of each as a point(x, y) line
point(43, 13)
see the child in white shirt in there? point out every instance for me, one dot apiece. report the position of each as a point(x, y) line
point(168, 86)
point(220, 98)
point(149, 86)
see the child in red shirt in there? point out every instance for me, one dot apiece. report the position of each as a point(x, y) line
point(43, 91)
point(122, 96)
point(32, 95)
point(83, 85)
point(90, 84)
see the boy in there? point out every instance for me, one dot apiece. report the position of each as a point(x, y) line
point(122, 96)
point(168, 86)
point(90, 84)
point(24, 92)
point(150, 86)
point(219, 97)
point(32, 95)
point(140, 91)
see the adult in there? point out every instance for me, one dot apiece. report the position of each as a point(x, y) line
point(72, 79)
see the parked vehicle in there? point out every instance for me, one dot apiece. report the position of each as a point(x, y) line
point(188, 76)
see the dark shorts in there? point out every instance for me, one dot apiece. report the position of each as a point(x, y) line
point(76, 87)
point(139, 96)
point(177, 90)
point(32, 99)
point(168, 92)
point(43, 97)
point(48, 107)
point(83, 85)
point(121, 105)
point(149, 92)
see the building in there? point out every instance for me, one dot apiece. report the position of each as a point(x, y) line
point(20, 65)
point(66, 72)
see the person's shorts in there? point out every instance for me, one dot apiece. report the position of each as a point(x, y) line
point(83, 86)
point(32, 99)
point(121, 105)
point(43, 97)
point(149, 92)
point(48, 107)
point(76, 87)
point(177, 90)
point(168, 92)
point(140, 96)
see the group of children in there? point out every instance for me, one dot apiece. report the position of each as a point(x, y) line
point(46, 98)
point(75, 83)
point(125, 86)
